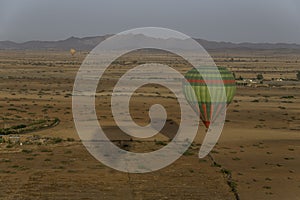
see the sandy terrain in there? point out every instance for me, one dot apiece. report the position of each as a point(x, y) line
point(257, 156)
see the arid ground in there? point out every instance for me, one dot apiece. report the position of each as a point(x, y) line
point(257, 156)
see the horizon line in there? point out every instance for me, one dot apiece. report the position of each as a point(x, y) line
point(108, 35)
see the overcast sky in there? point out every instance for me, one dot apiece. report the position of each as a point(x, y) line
point(219, 20)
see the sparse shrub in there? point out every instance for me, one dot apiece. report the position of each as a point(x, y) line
point(57, 140)
point(215, 164)
point(160, 143)
point(19, 126)
point(226, 171)
point(287, 97)
point(267, 187)
point(260, 77)
point(26, 151)
point(234, 75)
point(188, 153)
point(46, 150)
point(298, 75)
point(255, 100)
point(68, 152)
point(214, 151)
point(70, 139)
point(232, 185)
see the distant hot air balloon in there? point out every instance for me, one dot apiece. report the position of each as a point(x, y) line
point(204, 105)
point(72, 52)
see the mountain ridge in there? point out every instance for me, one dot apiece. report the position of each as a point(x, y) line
point(88, 43)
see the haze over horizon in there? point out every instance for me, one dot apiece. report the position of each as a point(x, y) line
point(94, 36)
point(268, 21)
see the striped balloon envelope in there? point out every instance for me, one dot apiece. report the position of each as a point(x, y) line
point(214, 89)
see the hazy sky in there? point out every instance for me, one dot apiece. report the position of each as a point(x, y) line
point(220, 20)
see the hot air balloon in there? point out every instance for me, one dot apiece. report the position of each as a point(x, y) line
point(72, 52)
point(208, 106)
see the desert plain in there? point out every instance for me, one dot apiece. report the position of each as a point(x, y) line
point(256, 157)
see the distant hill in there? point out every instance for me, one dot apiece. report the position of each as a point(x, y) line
point(88, 43)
